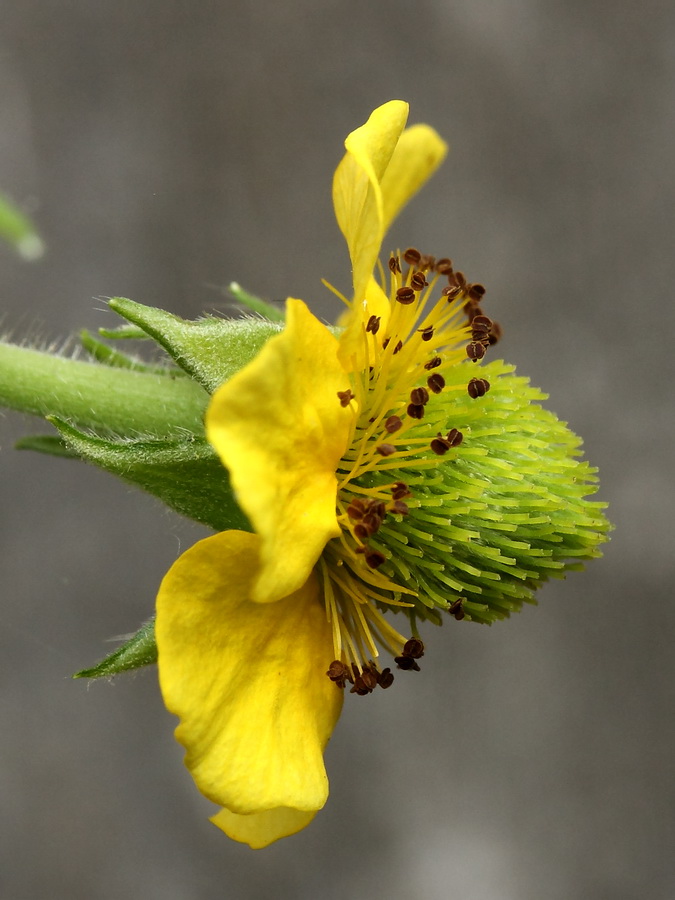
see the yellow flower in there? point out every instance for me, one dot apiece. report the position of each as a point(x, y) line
point(347, 455)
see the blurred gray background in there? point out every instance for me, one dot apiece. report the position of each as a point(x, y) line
point(166, 148)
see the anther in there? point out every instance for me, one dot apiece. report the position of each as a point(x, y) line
point(439, 445)
point(478, 387)
point(374, 558)
point(415, 410)
point(338, 672)
point(418, 282)
point(385, 449)
point(444, 266)
point(451, 292)
point(369, 678)
point(436, 383)
point(476, 291)
point(427, 333)
point(413, 647)
point(433, 363)
point(400, 507)
point(454, 437)
point(456, 609)
point(427, 262)
point(398, 347)
point(392, 424)
point(385, 678)
point(481, 323)
point(419, 396)
point(412, 256)
point(475, 351)
point(373, 325)
point(394, 265)
point(361, 532)
point(345, 397)
point(400, 490)
point(356, 509)
point(407, 663)
point(405, 295)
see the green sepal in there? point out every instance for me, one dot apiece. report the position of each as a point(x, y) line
point(255, 304)
point(210, 350)
point(45, 443)
point(124, 333)
point(18, 230)
point(139, 650)
point(109, 356)
point(186, 474)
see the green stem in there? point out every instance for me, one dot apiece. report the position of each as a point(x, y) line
point(98, 397)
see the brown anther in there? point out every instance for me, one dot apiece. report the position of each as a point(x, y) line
point(427, 262)
point(418, 282)
point(374, 558)
point(338, 672)
point(385, 678)
point(398, 347)
point(400, 490)
point(385, 449)
point(369, 677)
point(476, 291)
point(439, 445)
point(495, 332)
point(433, 363)
point(419, 396)
point(427, 333)
point(454, 437)
point(481, 323)
point(451, 292)
point(373, 325)
point(436, 383)
point(371, 523)
point(356, 509)
point(392, 424)
point(478, 387)
point(458, 279)
point(412, 256)
point(407, 663)
point(475, 351)
point(345, 397)
point(444, 266)
point(400, 507)
point(414, 648)
point(394, 265)
point(361, 532)
point(405, 295)
point(360, 687)
point(415, 411)
point(456, 609)
point(472, 309)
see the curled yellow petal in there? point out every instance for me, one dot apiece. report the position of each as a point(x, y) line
point(357, 197)
point(248, 681)
point(280, 428)
point(261, 829)
point(419, 152)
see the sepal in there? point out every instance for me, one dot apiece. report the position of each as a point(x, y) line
point(210, 350)
point(185, 474)
point(139, 650)
point(110, 356)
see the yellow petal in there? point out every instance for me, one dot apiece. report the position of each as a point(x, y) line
point(358, 349)
point(247, 681)
point(357, 198)
point(280, 429)
point(418, 154)
point(261, 829)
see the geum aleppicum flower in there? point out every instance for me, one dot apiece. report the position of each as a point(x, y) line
point(382, 471)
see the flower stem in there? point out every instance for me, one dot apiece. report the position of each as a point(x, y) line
point(99, 397)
